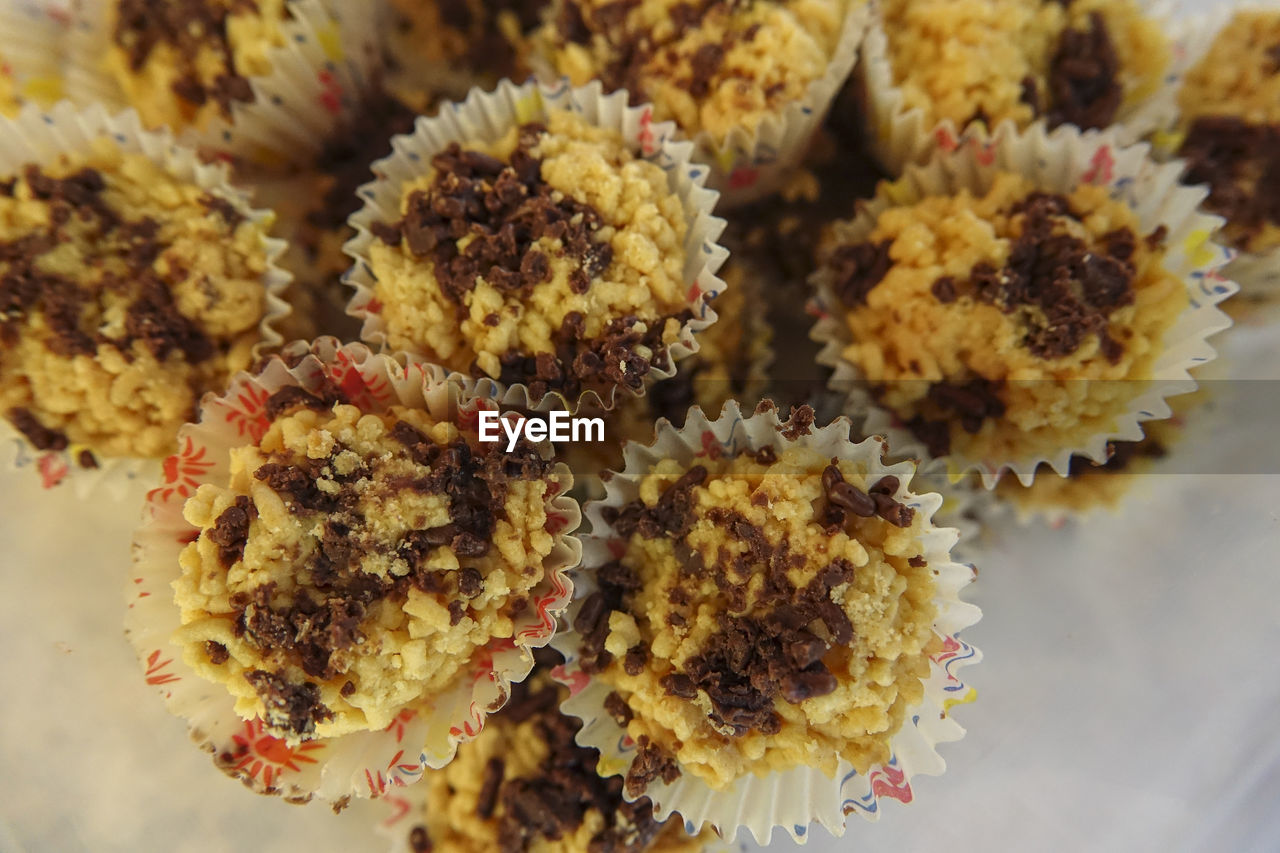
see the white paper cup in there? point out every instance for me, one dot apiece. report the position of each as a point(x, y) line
point(487, 116)
point(795, 798)
point(365, 764)
point(1055, 162)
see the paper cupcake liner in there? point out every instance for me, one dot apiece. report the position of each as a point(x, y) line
point(1056, 162)
point(592, 463)
point(33, 35)
point(34, 136)
point(487, 116)
point(899, 136)
point(328, 60)
point(365, 764)
point(795, 798)
point(1257, 273)
point(748, 165)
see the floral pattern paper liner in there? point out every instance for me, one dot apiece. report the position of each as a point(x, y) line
point(365, 764)
point(794, 799)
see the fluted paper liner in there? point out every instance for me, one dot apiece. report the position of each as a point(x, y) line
point(1258, 273)
point(33, 35)
point(326, 64)
point(796, 798)
point(365, 764)
point(38, 137)
point(1055, 162)
point(899, 136)
point(487, 116)
point(749, 164)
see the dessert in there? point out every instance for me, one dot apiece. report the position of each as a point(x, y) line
point(1230, 127)
point(764, 610)
point(126, 293)
point(552, 257)
point(182, 64)
point(711, 67)
point(354, 562)
point(524, 784)
point(1086, 63)
point(1006, 324)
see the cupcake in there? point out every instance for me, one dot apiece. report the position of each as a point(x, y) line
point(760, 603)
point(749, 82)
point(129, 288)
point(525, 784)
point(457, 44)
point(730, 364)
point(942, 66)
point(183, 64)
point(546, 253)
point(336, 564)
point(1230, 128)
point(1006, 324)
point(354, 562)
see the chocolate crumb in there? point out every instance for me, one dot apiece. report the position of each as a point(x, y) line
point(617, 708)
point(487, 799)
point(419, 841)
point(650, 763)
point(40, 436)
point(294, 708)
point(1084, 86)
point(217, 652)
point(858, 269)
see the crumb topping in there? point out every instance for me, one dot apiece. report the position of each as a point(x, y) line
point(1230, 103)
point(970, 315)
point(354, 562)
point(769, 609)
point(181, 63)
point(713, 66)
point(524, 784)
point(553, 257)
point(1076, 63)
point(124, 295)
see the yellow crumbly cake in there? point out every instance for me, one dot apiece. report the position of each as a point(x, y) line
point(995, 60)
point(566, 271)
point(524, 784)
point(127, 294)
point(712, 67)
point(353, 563)
point(766, 611)
point(1009, 324)
point(182, 65)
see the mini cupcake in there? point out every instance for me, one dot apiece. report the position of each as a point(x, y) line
point(1022, 302)
point(763, 604)
point(458, 44)
point(347, 568)
point(731, 364)
point(546, 253)
point(736, 77)
point(943, 66)
point(182, 64)
point(1230, 129)
point(265, 81)
point(133, 282)
point(524, 784)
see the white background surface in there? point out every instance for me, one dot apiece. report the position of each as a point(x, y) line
point(1129, 695)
